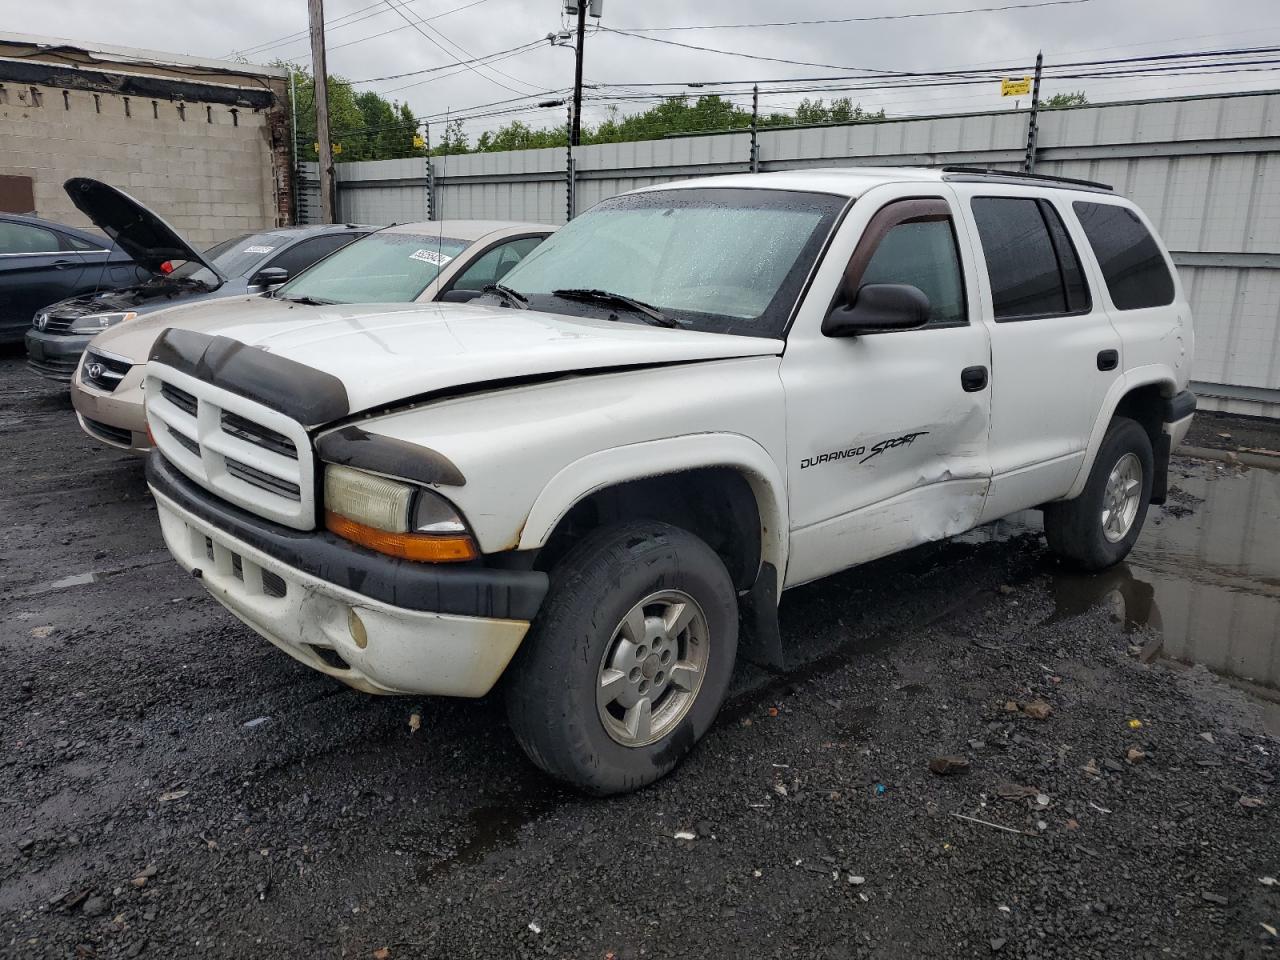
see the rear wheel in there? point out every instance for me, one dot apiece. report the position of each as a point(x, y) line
point(629, 659)
point(1099, 527)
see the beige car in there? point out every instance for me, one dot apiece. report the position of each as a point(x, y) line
point(397, 267)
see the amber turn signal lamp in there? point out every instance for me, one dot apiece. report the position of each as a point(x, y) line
point(421, 547)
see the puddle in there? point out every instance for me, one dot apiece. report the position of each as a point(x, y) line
point(1204, 578)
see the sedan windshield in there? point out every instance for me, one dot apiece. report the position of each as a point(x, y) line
point(237, 257)
point(383, 267)
point(717, 259)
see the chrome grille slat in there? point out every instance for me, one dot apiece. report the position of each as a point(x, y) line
point(109, 370)
point(260, 478)
point(180, 399)
point(257, 434)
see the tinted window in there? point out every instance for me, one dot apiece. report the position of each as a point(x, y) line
point(922, 253)
point(71, 242)
point(1131, 262)
point(302, 255)
point(1078, 298)
point(495, 264)
point(1021, 263)
point(24, 238)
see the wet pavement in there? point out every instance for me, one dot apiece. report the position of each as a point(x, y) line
point(1203, 580)
point(171, 785)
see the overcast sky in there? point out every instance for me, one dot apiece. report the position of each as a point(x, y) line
point(1092, 29)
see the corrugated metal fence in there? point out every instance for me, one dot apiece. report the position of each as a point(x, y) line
point(1205, 169)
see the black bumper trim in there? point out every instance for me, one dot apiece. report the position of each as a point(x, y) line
point(465, 591)
point(1179, 406)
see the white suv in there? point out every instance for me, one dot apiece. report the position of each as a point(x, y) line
point(689, 399)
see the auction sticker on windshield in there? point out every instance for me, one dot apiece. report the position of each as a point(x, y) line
point(258, 249)
point(430, 256)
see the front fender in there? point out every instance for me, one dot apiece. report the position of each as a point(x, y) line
point(652, 458)
point(1157, 373)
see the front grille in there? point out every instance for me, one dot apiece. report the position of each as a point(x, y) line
point(104, 372)
point(58, 324)
point(258, 435)
point(104, 431)
point(179, 398)
point(262, 479)
point(240, 451)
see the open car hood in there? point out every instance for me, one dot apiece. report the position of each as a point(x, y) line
point(140, 233)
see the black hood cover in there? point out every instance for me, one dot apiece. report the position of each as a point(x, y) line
point(139, 232)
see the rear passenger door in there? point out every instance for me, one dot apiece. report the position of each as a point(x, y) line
point(1054, 351)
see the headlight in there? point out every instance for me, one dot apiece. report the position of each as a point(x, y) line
point(400, 519)
point(96, 322)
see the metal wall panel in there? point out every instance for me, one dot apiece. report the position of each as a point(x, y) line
point(1205, 170)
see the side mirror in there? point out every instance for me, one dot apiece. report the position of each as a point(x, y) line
point(878, 306)
point(458, 295)
point(270, 277)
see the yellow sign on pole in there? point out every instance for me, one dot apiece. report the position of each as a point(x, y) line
point(418, 142)
point(1015, 88)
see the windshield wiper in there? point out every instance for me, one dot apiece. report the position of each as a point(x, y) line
point(309, 301)
point(506, 293)
point(654, 315)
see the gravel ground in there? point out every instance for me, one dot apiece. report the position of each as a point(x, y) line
point(172, 786)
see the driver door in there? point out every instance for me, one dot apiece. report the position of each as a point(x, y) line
point(887, 431)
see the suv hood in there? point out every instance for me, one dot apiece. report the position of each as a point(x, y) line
point(386, 357)
point(139, 232)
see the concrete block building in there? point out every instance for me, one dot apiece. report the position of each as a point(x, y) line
point(205, 143)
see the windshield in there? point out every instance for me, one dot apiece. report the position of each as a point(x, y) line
point(717, 259)
point(383, 267)
point(236, 257)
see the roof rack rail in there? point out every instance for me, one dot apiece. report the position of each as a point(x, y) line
point(987, 173)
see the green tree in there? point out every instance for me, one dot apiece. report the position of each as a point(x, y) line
point(1059, 100)
point(363, 126)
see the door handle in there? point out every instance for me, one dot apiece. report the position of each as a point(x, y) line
point(973, 379)
point(63, 264)
point(1108, 359)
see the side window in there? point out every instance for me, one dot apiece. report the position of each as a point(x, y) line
point(1032, 265)
point(495, 264)
point(914, 242)
point(302, 255)
point(24, 238)
point(1132, 264)
point(70, 242)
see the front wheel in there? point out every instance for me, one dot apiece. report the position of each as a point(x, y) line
point(1099, 527)
point(629, 659)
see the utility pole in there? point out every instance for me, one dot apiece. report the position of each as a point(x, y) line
point(1033, 121)
point(575, 134)
point(320, 81)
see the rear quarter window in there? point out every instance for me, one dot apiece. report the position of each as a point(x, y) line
point(1132, 262)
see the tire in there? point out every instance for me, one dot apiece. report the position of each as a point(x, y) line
point(1075, 528)
point(585, 633)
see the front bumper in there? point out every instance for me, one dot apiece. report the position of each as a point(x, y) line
point(119, 417)
point(378, 624)
point(55, 355)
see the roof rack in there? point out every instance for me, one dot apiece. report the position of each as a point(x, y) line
point(1017, 176)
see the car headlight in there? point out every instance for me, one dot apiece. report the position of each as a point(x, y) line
point(399, 519)
point(96, 322)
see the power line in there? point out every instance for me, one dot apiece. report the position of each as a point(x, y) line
point(888, 16)
point(392, 4)
point(454, 71)
point(448, 66)
point(405, 26)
